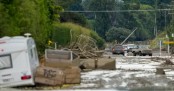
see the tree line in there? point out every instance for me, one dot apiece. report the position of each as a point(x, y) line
point(109, 25)
point(44, 18)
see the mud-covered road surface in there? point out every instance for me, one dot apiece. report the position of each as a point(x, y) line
point(131, 74)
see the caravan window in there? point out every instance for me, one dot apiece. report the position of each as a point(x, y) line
point(5, 62)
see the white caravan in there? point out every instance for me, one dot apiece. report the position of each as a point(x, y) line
point(18, 61)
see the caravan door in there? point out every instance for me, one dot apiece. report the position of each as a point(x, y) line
point(33, 57)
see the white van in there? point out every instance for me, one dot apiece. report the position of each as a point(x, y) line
point(130, 47)
point(18, 61)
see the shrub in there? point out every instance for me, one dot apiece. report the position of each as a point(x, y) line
point(62, 34)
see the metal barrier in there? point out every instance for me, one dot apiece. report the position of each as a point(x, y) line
point(58, 55)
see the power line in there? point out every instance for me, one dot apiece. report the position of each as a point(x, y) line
point(110, 11)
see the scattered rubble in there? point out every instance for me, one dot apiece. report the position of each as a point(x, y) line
point(165, 63)
point(168, 62)
point(160, 71)
point(85, 47)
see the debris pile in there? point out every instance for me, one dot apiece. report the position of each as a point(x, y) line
point(160, 71)
point(90, 56)
point(167, 63)
point(85, 47)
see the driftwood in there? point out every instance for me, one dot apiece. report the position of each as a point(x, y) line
point(85, 47)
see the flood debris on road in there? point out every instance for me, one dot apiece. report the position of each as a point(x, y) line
point(130, 73)
point(160, 71)
point(74, 69)
point(49, 76)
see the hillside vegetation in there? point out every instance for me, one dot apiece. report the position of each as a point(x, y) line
point(49, 20)
point(155, 43)
point(43, 20)
point(63, 31)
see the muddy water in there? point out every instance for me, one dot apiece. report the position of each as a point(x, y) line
point(131, 75)
point(124, 80)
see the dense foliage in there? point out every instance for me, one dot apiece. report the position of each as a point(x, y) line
point(39, 17)
point(20, 16)
point(122, 18)
point(45, 19)
point(170, 30)
point(119, 33)
point(66, 33)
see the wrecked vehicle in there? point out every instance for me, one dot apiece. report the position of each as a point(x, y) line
point(18, 61)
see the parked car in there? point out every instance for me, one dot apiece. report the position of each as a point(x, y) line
point(125, 47)
point(130, 47)
point(142, 50)
point(118, 49)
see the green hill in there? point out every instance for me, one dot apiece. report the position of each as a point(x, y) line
point(62, 34)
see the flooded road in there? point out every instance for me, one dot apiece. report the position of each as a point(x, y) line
point(131, 74)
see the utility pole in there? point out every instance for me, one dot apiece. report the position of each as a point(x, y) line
point(155, 27)
point(129, 36)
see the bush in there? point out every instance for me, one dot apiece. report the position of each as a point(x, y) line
point(99, 41)
point(62, 34)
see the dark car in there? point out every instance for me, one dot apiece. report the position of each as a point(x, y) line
point(118, 49)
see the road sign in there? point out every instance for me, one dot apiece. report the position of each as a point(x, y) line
point(168, 42)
